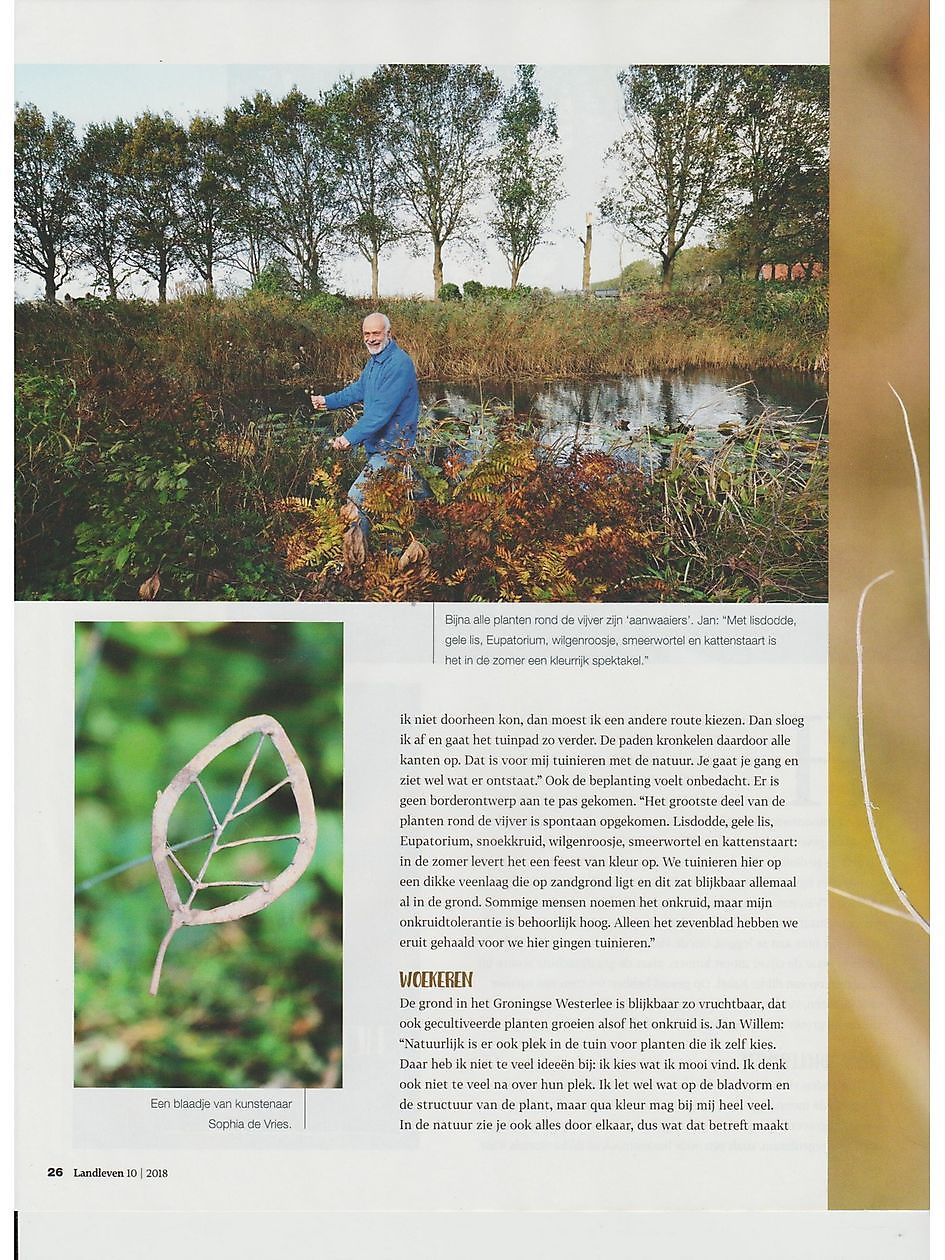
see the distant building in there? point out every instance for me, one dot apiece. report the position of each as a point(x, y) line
point(797, 271)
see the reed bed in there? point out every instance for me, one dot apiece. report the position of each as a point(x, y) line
point(231, 345)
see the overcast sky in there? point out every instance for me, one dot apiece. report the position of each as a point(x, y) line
point(587, 99)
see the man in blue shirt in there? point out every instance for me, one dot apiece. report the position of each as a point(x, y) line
point(388, 389)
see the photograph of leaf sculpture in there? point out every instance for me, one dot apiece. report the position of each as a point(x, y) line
point(208, 854)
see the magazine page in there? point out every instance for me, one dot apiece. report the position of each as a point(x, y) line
point(450, 812)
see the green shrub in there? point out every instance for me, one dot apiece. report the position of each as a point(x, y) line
point(504, 294)
point(326, 303)
point(275, 279)
point(52, 455)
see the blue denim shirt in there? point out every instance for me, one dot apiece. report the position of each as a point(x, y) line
point(388, 389)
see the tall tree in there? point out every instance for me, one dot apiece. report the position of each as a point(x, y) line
point(45, 206)
point(367, 169)
point(526, 172)
point(671, 166)
point(804, 233)
point(209, 220)
point(438, 120)
point(103, 204)
point(781, 126)
point(154, 163)
point(242, 140)
point(306, 206)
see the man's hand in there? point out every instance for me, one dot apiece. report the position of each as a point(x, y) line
point(340, 443)
point(318, 401)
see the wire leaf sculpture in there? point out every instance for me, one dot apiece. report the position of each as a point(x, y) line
point(183, 911)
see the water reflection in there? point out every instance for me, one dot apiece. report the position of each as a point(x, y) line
point(596, 412)
point(636, 418)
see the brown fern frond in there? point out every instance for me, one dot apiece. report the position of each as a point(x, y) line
point(353, 546)
point(415, 556)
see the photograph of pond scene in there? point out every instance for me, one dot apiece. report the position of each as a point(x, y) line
point(585, 309)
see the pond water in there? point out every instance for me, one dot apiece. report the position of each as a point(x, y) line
point(598, 411)
point(613, 413)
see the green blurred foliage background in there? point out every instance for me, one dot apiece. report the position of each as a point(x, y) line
point(249, 1003)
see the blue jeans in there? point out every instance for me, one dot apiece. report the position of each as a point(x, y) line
point(374, 465)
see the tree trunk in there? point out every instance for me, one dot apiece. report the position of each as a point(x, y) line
point(254, 250)
point(437, 268)
point(515, 268)
point(375, 292)
point(162, 281)
point(668, 259)
point(50, 286)
point(588, 240)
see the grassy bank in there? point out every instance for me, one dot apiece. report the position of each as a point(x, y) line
point(744, 328)
point(238, 344)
